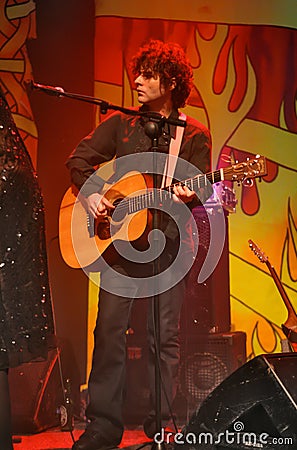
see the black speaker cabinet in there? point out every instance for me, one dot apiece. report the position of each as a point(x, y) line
point(36, 395)
point(206, 360)
point(207, 305)
point(255, 407)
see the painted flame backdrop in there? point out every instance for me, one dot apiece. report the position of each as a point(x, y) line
point(244, 61)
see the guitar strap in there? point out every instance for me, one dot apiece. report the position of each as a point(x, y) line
point(173, 153)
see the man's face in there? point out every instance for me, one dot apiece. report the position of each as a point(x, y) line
point(150, 90)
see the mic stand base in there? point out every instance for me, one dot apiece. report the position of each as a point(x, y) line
point(158, 446)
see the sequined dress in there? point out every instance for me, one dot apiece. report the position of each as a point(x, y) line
point(26, 320)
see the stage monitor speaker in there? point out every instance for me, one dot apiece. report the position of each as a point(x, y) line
point(36, 395)
point(255, 407)
point(206, 360)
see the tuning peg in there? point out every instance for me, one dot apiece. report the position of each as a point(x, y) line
point(233, 160)
point(248, 182)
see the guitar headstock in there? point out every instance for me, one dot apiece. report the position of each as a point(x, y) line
point(246, 170)
point(258, 252)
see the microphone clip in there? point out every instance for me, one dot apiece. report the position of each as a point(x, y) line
point(51, 90)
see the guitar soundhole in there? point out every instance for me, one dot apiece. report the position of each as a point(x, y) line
point(120, 211)
point(108, 226)
point(102, 229)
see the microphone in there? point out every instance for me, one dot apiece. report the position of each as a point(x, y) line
point(52, 90)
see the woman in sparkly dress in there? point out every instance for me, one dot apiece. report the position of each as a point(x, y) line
point(26, 321)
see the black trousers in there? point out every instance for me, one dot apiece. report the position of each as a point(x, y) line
point(107, 377)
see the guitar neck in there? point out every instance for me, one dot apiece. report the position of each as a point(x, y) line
point(251, 168)
point(202, 180)
point(291, 323)
point(281, 290)
point(151, 198)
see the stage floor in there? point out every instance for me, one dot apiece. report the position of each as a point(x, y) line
point(55, 439)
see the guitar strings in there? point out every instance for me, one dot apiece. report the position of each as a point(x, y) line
point(147, 199)
point(138, 202)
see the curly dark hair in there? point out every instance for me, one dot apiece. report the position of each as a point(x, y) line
point(168, 60)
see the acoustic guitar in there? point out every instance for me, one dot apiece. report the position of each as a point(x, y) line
point(83, 239)
point(290, 326)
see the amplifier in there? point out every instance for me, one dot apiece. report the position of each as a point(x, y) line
point(206, 360)
point(206, 307)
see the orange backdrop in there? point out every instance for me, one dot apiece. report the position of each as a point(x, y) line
point(244, 56)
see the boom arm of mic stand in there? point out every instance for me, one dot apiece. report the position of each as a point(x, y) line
point(59, 92)
point(105, 106)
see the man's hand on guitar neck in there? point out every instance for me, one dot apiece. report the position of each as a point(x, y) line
point(182, 194)
point(98, 205)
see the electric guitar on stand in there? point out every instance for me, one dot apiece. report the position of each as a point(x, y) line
point(83, 239)
point(290, 326)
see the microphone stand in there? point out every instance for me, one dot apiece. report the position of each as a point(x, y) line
point(153, 130)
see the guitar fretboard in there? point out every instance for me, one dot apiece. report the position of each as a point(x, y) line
point(156, 197)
